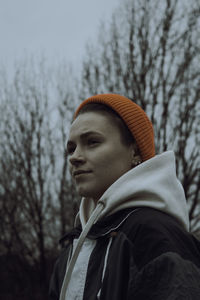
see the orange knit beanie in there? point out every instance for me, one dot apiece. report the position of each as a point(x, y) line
point(134, 117)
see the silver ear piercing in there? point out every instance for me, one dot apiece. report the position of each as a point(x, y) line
point(136, 162)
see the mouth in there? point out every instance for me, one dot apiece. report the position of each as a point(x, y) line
point(80, 172)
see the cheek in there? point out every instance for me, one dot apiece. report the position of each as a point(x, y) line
point(112, 161)
point(111, 157)
point(120, 161)
point(104, 158)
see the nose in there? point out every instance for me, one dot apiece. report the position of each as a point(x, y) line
point(76, 158)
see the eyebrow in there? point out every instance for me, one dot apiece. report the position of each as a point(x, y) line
point(84, 135)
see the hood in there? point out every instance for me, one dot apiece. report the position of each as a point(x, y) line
point(151, 184)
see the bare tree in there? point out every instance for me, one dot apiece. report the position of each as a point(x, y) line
point(150, 52)
point(37, 198)
point(66, 103)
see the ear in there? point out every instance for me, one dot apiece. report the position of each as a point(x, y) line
point(136, 157)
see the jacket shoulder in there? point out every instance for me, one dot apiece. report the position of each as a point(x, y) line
point(168, 276)
point(147, 216)
point(153, 233)
point(151, 220)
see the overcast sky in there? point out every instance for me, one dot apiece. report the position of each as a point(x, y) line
point(55, 28)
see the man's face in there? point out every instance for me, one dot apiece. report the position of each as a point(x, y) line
point(97, 157)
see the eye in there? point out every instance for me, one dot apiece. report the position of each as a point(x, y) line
point(70, 150)
point(92, 142)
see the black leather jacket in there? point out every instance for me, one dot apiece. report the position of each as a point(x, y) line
point(151, 257)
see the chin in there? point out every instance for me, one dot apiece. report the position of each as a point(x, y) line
point(90, 189)
point(86, 193)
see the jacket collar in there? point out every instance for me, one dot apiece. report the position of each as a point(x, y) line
point(103, 227)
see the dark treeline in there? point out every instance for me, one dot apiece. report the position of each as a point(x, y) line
point(149, 52)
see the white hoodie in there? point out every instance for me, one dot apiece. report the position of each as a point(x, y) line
point(152, 184)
